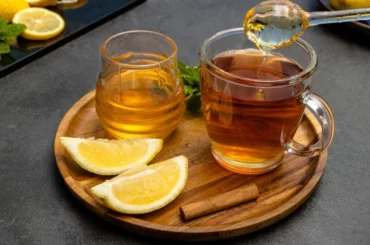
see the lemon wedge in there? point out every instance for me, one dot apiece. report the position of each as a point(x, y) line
point(111, 157)
point(146, 188)
point(42, 24)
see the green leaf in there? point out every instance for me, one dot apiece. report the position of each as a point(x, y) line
point(193, 103)
point(3, 23)
point(190, 74)
point(191, 77)
point(189, 90)
point(182, 66)
point(196, 73)
point(11, 31)
point(4, 48)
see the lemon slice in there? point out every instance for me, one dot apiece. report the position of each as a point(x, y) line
point(74, 4)
point(111, 157)
point(42, 24)
point(146, 188)
point(42, 3)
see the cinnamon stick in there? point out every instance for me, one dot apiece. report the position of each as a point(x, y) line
point(219, 202)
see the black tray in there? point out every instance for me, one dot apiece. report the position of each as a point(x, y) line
point(78, 21)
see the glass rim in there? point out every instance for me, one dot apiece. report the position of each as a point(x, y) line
point(288, 81)
point(131, 66)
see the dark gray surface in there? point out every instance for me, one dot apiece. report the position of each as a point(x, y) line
point(36, 207)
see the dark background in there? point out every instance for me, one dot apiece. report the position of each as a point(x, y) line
point(37, 208)
point(78, 21)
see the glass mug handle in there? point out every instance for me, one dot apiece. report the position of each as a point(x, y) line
point(324, 115)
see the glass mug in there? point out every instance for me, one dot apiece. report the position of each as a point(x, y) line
point(139, 92)
point(252, 111)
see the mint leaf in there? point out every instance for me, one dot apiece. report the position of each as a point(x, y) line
point(3, 23)
point(193, 103)
point(10, 31)
point(191, 77)
point(189, 90)
point(196, 73)
point(182, 67)
point(4, 48)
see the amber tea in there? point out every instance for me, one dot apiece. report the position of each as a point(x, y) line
point(253, 103)
point(139, 92)
point(153, 108)
point(250, 126)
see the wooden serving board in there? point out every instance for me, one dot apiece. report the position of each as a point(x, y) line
point(281, 191)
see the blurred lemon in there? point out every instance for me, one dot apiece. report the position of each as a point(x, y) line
point(75, 5)
point(69, 4)
point(8, 8)
point(349, 4)
point(42, 3)
point(42, 24)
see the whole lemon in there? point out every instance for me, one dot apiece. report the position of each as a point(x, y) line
point(8, 8)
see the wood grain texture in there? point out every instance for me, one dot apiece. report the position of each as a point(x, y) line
point(281, 191)
point(220, 202)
